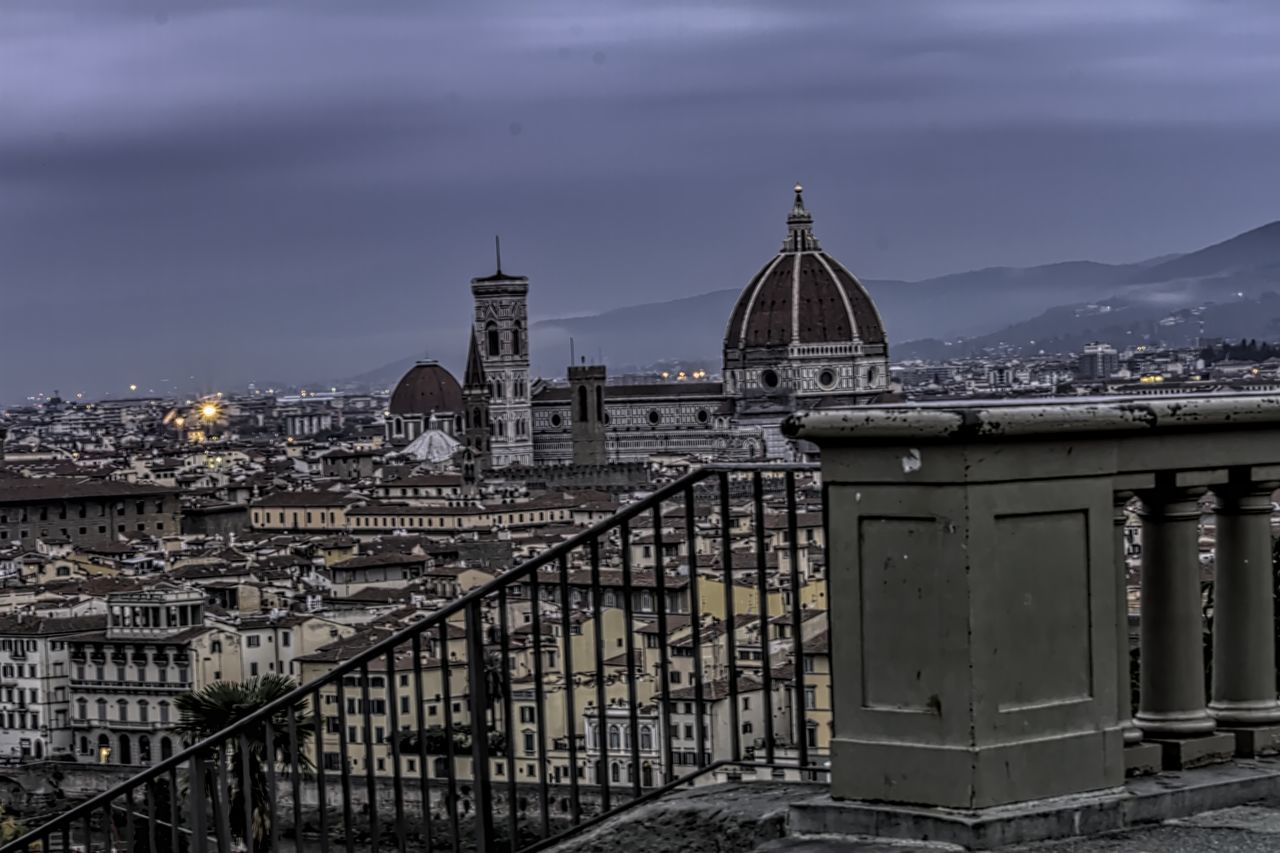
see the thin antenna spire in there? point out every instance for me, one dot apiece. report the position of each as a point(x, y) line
point(497, 249)
point(572, 356)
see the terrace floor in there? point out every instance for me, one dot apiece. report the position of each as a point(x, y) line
point(752, 817)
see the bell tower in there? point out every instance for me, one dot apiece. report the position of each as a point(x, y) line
point(476, 437)
point(500, 334)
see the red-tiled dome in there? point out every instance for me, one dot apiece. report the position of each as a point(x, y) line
point(425, 389)
point(803, 295)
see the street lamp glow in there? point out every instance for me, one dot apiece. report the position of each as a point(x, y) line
point(133, 387)
point(208, 411)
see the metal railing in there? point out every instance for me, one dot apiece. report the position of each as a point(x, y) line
point(528, 709)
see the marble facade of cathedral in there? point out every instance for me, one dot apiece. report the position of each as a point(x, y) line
point(804, 334)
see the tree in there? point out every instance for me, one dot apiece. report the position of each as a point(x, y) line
point(216, 706)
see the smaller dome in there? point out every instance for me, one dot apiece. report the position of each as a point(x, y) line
point(426, 389)
point(434, 446)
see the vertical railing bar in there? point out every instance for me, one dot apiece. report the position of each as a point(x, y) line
point(295, 766)
point(371, 780)
point(451, 777)
point(322, 796)
point(508, 726)
point(540, 703)
point(273, 839)
point(222, 817)
point(424, 778)
point(88, 835)
point(664, 663)
point(175, 810)
point(797, 621)
point(695, 615)
point(477, 693)
point(66, 836)
point(393, 735)
point(602, 740)
point(152, 820)
point(730, 626)
point(570, 683)
point(633, 713)
point(762, 591)
point(246, 790)
point(340, 696)
point(128, 820)
point(830, 675)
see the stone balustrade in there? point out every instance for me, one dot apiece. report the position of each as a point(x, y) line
point(980, 638)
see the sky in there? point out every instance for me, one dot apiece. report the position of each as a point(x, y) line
point(270, 191)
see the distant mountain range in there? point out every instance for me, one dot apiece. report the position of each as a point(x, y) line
point(1228, 289)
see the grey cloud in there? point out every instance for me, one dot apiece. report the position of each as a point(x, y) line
point(235, 189)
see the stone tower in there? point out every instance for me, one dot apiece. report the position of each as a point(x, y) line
point(586, 383)
point(476, 422)
point(502, 336)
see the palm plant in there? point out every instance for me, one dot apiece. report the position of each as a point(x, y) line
point(215, 707)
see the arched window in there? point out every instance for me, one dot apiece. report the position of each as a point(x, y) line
point(164, 712)
point(123, 707)
point(497, 389)
point(144, 750)
point(493, 343)
point(84, 745)
point(615, 739)
point(600, 403)
point(615, 773)
point(102, 709)
point(144, 712)
point(515, 337)
point(582, 404)
point(646, 775)
point(646, 738)
point(166, 748)
point(82, 712)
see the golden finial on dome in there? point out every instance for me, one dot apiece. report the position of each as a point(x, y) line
point(799, 188)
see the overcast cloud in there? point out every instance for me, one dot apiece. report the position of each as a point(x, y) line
point(284, 190)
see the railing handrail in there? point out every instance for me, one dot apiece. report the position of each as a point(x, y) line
point(406, 635)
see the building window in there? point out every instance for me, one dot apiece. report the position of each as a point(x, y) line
point(615, 739)
point(646, 738)
point(254, 641)
point(516, 329)
point(810, 697)
point(655, 417)
point(769, 378)
point(827, 379)
point(493, 343)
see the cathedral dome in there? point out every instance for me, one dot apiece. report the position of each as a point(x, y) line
point(803, 296)
point(426, 389)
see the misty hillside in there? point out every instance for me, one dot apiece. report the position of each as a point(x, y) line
point(1252, 249)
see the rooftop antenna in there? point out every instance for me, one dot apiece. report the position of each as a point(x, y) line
point(497, 250)
point(572, 358)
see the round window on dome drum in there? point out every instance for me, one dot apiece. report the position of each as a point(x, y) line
point(556, 420)
point(827, 379)
point(655, 417)
point(703, 416)
point(769, 378)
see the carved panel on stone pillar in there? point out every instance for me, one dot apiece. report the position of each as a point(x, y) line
point(1039, 583)
point(902, 565)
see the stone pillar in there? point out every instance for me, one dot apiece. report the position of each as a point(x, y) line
point(1171, 709)
point(975, 666)
point(1244, 662)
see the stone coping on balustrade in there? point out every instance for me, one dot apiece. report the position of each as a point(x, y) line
point(969, 420)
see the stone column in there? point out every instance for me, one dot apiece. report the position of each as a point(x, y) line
point(1244, 662)
point(1172, 703)
point(1171, 709)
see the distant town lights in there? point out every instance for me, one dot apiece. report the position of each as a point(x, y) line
point(133, 387)
point(209, 411)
